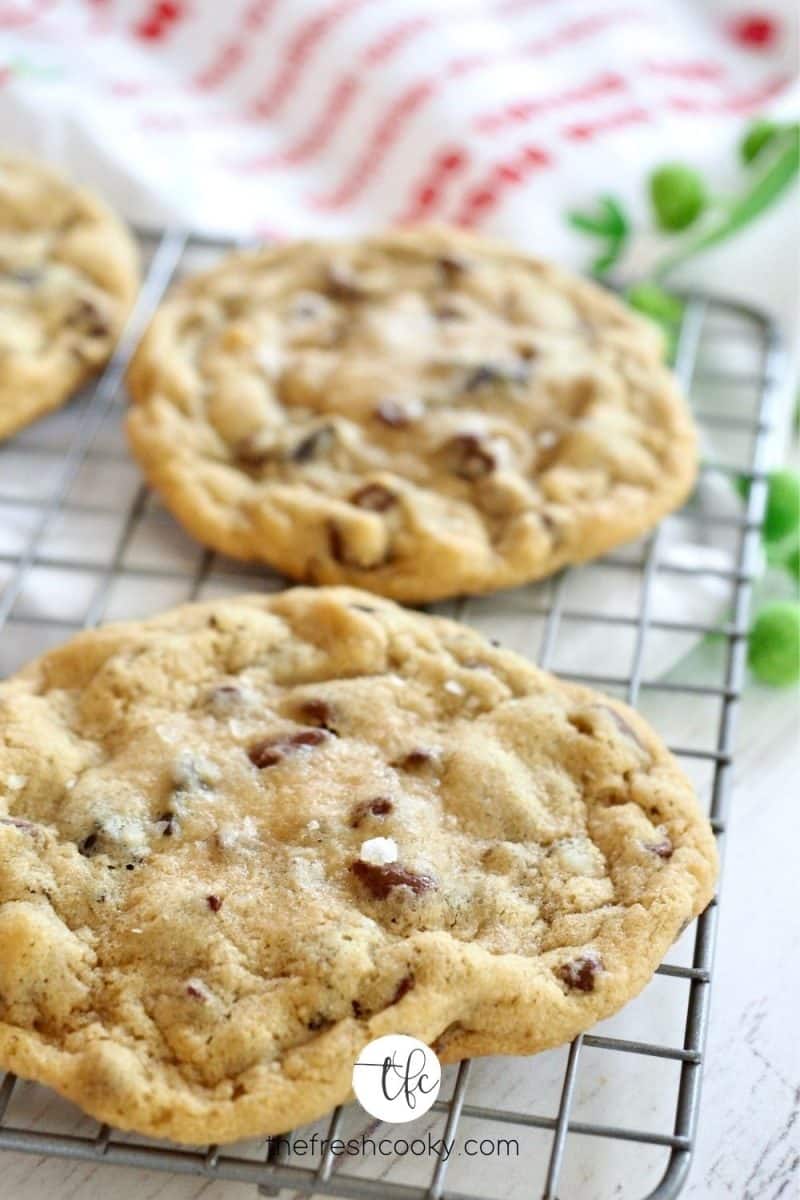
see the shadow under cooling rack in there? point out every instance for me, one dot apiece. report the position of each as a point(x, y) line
point(81, 541)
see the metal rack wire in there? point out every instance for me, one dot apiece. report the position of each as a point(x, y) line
point(67, 478)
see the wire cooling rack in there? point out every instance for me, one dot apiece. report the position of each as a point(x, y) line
point(615, 1113)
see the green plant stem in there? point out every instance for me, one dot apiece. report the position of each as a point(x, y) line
point(775, 180)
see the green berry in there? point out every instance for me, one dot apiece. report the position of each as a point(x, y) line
point(774, 651)
point(678, 196)
point(792, 561)
point(757, 138)
point(783, 506)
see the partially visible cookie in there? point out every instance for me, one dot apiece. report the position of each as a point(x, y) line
point(68, 277)
point(243, 839)
point(422, 414)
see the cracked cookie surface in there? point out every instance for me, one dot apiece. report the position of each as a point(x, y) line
point(68, 277)
point(422, 414)
point(243, 839)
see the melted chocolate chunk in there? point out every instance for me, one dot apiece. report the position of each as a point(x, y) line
point(87, 318)
point(214, 903)
point(403, 988)
point(469, 456)
point(169, 821)
point(662, 849)
point(88, 846)
point(373, 496)
point(581, 972)
point(316, 712)
point(416, 758)
point(319, 441)
point(452, 266)
point(381, 806)
point(379, 880)
point(336, 543)
point(273, 750)
point(254, 451)
point(344, 283)
point(195, 992)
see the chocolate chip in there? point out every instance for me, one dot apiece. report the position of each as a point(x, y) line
point(380, 879)
point(381, 806)
point(491, 374)
point(88, 320)
point(88, 846)
point(416, 758)
point(662, 849)
point(195, 992)
point(358, 1010)
point(452, 265)
point(316, 712)
point(373, 496)
point(336, 543)
point(319, 441)
point(270, 751)
point(169, 821)
point(403, 988)
point(393, 414)
point(254, 451)
point(469, 456)
point(343, 283)
point(214, 903)
point(581, 972)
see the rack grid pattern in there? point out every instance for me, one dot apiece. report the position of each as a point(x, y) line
point(745, 422)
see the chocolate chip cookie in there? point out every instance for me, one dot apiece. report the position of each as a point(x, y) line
point(422, 414)
point(243, 839)
point(68, 277)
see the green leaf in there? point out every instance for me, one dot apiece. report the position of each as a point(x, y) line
point(758, 136)
point(655, 302)
point(608, 220)
point(588, 224)
point(774, 181)
point(616, 217)
point(604, 262)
